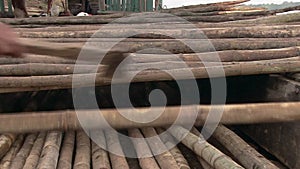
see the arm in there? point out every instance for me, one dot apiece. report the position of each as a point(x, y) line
point(9, 44)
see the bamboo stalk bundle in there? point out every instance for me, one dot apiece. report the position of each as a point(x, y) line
point(19, 161)
point(202, 148)
point(100, 157)
point(246, 155)
point(168, 140)
point(82, 157)
point(67, 119)
point(164, 158)
point(66, 154)
point(117, 160)
point(50, 152)
point(144, 154)
point(34, 155)
point(10, 155)
point(228, 3)
point(6, 141)
point(65, 81)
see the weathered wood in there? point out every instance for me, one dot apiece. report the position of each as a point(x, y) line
point(83, 154)
point(66, 81)
point(142, 149)
point(67, 120)
point(247, 32)
point(10, 155)
point(6, 141)
point(164, 158)
point(34, 156)
point(50, 152)
point(242, 151)
point(66, 154)
point(19, 161)
point(170, 143)
point(117, 160)
point(202, 148)
point(100, 157)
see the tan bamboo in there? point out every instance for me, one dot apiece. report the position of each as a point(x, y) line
point(100, 157)
point(10, 155)
point(83, 154)
point(113, 144)
point(67, 120)
point(168, 140)
point(50, 152)
point(67, 81)
point(19, 161)
point(245, 154)
point(6, 141)
point(142, 149)
point(164, 158)
point(34, 155)
point(66, 154)
point(249, 32)
point(202, 148)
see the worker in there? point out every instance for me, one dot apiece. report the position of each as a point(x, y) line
point(9, 45)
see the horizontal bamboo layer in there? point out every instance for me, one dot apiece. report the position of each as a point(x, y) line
point(68, 120)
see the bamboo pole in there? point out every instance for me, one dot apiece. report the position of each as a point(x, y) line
point(10, 155)
point(50, 152)
point(66, 154)
point(202, 148)
point(243, 152)
point(67, 119)
point(248, 32)
point(100, 157)
point(142, 149)
point(83, 154)
point(34, 155)
point(19, 161)
point(168, 140)
point(117, 160)
point(162, 154)
point(6, 141)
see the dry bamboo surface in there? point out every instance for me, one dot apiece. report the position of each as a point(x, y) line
point(67, 120)
point(66, 154)
point(162, 155)
point(170, 143)
point(117, 160)
point(20, 159)
point(245, 154)
point(34, 155)
point(10, 155)
point(6, 141)
point(202, 148)
point(143, 151)
point(82, 157)
point(50, 152)
point(13, 84)
point(100, 157)
point(249, 32)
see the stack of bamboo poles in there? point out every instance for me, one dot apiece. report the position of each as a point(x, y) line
point(64, 150)
point(262, 46)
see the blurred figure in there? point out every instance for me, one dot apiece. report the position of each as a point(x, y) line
point(9, 45)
